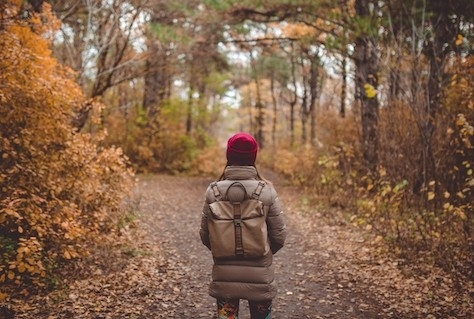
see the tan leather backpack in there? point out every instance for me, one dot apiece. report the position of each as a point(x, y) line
point(237, 223)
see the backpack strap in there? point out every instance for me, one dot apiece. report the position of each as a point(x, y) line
point(236, 201)
point(239, 249)
point(215, 190)
point(258, 190)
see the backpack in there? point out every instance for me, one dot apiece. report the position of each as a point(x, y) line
point(237, 224)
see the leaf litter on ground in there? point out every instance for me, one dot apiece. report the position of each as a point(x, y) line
point(328, 269)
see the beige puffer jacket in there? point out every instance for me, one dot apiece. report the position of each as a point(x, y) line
point(251, 279)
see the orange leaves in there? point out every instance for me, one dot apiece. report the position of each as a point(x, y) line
point(27, 262)
point(298, 30)
point(8, 212)
point(60, 192)
point(70, 253)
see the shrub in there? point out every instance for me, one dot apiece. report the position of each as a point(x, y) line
point(61, 191)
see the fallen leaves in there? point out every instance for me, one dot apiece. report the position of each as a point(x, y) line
point(326, 270)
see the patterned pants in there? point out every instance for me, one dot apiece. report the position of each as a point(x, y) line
point(229, 309)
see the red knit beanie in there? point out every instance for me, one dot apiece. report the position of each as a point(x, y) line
point(241, 150)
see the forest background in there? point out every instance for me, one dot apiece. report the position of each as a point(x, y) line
point(368, 106)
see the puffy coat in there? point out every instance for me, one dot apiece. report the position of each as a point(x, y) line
point(251, 279)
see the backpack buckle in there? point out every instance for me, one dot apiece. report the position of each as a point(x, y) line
point(239, 253)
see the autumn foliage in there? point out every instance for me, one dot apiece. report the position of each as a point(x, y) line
point(431, 222)
point(369, 111)
point(61, 191)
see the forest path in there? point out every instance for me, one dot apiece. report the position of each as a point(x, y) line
point(311, 270)
point(327, 269)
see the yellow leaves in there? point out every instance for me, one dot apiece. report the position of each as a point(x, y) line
point(460, 214)
point(460, 195)
point(470, 105)
point(470, 182)
point(451, 210)
point(459, 39)
point(461, 120)
point(447, 206)
point(370, 91)
point(430, 195)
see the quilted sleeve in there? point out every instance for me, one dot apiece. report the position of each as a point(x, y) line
point(276, 224)
point(204, 231)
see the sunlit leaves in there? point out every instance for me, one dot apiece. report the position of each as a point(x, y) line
point(370, 91)
point(431, 195)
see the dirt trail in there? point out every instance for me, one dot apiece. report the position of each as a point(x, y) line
point(326, 270)
point(170, 208)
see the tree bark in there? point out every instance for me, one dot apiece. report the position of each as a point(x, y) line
point(342, 106)
point(367, 64)
point(156, 80)
point(294, 97)
point(304, 108)
point(313, 85)
point(437, 52)
point(275, 108)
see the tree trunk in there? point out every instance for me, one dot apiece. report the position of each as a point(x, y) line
point(294, 97)
point(304, 109)
point(275, 108)
point(189, 111)
point(259, 106)
point(313, 85)
point(260, 118)
point(437, 52)
point(367, 62)
point(155, 80)
point(292, 122)
point(342, 107)
point(395, 79)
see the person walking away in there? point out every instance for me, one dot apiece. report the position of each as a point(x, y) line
point(246, 272)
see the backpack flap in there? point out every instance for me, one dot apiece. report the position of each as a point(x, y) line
point(222, 229)
point(222, 210)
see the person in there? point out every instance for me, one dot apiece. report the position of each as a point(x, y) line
point(238, 277)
